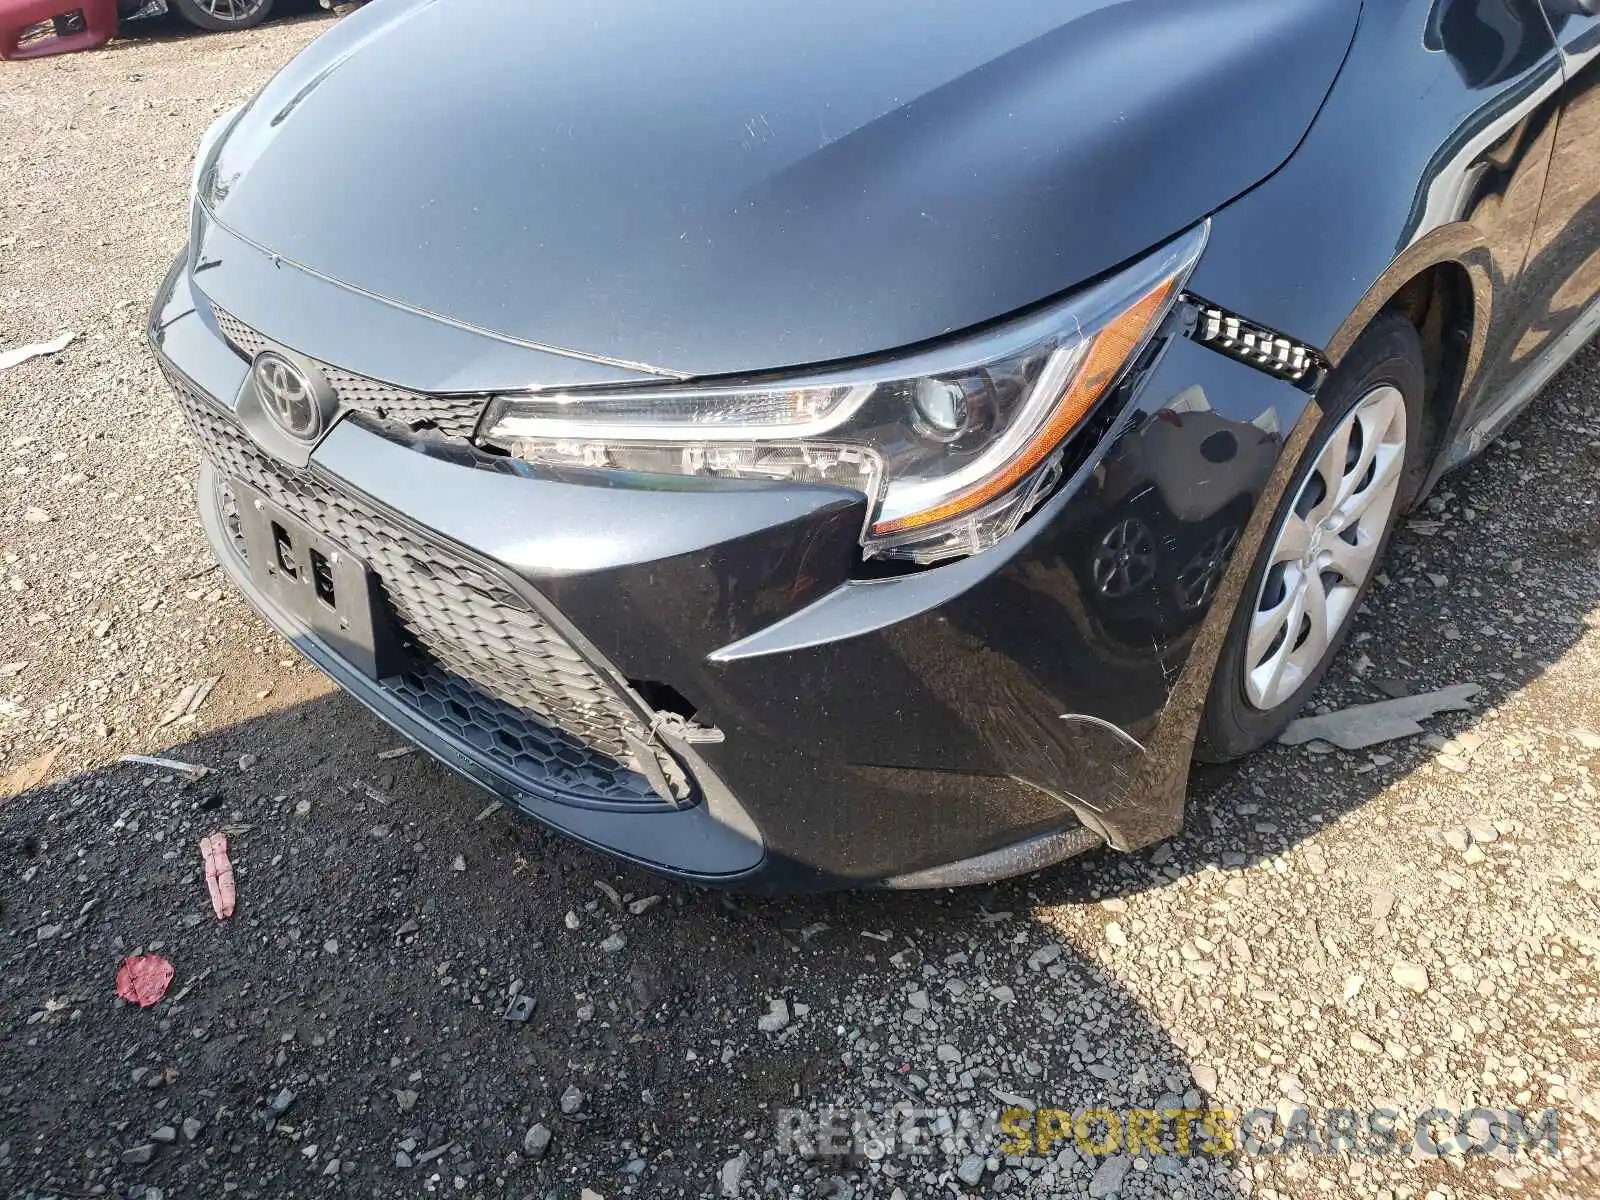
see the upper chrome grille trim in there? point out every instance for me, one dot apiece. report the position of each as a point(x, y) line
point(453, 416)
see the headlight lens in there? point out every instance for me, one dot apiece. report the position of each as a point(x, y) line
point(952, 447)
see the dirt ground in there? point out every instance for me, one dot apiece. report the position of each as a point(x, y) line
point(1411, 928)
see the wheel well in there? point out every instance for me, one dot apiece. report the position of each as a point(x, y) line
point(1438, 303)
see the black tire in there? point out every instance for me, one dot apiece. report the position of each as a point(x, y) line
point(249, 13)
point(1389, 352)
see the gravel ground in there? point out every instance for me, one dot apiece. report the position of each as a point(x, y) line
point(1405, 929)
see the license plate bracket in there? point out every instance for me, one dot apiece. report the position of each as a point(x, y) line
point(326, 588)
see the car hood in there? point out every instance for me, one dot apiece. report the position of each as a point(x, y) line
point(707, 187)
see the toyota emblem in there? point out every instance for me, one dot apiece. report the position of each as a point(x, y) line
point(289, 397)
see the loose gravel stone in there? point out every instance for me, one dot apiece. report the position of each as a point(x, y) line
point(1363, 1043)
point(970, 1172)
point(1108, 1177)
point(1409, 975)
point(1044, 956)
point(280, 1103)
point(1483, 831)
point(732, 1174)
point(776, 1018)
point(536, 1142)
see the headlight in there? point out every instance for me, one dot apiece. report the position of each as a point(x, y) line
point(952, 447)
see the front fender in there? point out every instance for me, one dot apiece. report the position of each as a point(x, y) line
point(1370, 201)
point(1367, 204)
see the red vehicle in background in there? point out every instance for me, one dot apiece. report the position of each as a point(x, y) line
point(36, 28)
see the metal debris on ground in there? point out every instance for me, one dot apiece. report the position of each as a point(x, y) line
point(144, 978)
point(191, 771)
point(219, 873)
point(489, 810)
point(397, 752)
point(21, 354)
point(521, 1007)
point(1365, 725)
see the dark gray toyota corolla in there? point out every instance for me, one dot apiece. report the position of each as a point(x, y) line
point(797, 445)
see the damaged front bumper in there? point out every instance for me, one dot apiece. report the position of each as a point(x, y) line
point(695, 679)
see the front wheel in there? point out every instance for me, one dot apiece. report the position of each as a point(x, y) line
point(223, 14)
point(1326, 541)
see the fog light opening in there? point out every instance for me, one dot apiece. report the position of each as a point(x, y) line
point(674, 715)
point(663, 697)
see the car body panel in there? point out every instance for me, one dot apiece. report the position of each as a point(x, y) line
point(709, 188)
point(1563, 271)
point(1370, 202)
point(390, 342)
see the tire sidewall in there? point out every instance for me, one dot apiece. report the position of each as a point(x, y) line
point(191, 12)
point(1388, 353)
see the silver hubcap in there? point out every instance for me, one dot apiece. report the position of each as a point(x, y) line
point(230, 10)
point(1325, 549)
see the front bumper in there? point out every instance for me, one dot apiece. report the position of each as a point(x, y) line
point(963, 723)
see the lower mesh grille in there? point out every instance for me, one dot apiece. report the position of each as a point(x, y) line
point(454, 416)
point(481, 663)
point(499, 730)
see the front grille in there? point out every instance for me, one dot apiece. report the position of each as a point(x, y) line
point(481, 663)
point(453, 416)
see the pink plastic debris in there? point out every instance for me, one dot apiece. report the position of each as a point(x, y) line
point(143, 979)
point(219, 873)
